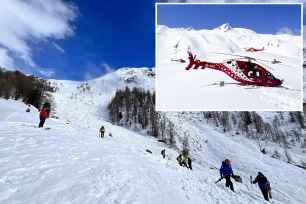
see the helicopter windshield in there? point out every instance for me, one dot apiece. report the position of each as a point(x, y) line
point(270, 77)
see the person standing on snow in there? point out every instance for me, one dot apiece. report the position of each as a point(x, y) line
point(263, 184)
point(42, 116)
point(102, 130)
point(226, 172)
point(190, 163)
point(182, 160)
point(163, 152)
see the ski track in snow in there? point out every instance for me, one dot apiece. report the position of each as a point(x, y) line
point(11, 116)
point(276, 97)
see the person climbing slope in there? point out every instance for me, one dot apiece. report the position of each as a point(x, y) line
point(163, 152)
point(102, 131)
point(182, 160)
point(263, 184)
point(226, 172)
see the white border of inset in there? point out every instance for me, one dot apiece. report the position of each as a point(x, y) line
point(234, 3)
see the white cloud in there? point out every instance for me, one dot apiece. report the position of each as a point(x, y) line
point(26, 21)
point(107, 68)
point(47, 72)
point(94, 71)
point(59, 48)
point(5, 60)
point(89, 76)
point(285, 30)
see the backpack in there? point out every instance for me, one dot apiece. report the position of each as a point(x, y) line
point(268, 185)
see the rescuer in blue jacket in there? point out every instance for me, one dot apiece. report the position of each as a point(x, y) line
point(263, 184)
point(226, 172)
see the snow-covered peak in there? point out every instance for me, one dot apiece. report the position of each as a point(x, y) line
point(224, 28)
point(161, 28)
point(140, 77)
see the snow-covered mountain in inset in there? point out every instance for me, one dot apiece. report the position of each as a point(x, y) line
point(70, 163)
point(178, 89)
point(224, 28)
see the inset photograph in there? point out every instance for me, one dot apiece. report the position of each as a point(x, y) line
point(229, 57)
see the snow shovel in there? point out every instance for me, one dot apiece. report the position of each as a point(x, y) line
point(219, 180)
point(237, 178)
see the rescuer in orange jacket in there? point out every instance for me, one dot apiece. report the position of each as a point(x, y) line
point(42, 116)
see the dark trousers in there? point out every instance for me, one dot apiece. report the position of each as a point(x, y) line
point(42, 121)
point(189, 164)
point(228, 182)
point(184, 164)
point(265, 193)
point(102, 134)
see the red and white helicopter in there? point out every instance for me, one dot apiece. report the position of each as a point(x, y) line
point(252, 49)
point(245, 72)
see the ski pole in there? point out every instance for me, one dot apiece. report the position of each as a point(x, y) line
point(251, 180)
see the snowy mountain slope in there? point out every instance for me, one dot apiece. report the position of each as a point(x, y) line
point(70, 163)
point(178, 89)
point(77, 103)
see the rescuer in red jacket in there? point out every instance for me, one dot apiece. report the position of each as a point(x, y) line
point(42, 116)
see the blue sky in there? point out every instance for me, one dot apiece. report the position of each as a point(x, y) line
point(89, 38)
point(265, 19)
point(107, 36)
point(80, 40)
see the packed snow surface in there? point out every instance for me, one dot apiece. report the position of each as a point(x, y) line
point(69, 163)
point(179, 89)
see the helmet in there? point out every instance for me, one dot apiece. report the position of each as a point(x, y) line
point(227, 161)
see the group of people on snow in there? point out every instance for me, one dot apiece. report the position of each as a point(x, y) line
point(183, 160)
point(227, 172)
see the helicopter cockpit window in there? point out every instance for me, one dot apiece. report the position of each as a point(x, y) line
point(269, 76)
point(258, 74)
point(250, 65)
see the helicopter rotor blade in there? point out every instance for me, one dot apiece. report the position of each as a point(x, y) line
point(233, 59)
point(285, 65)
point(262, 64)
point(227, 54)
point(263, 60)
point(246, 57)
point(252, 58)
